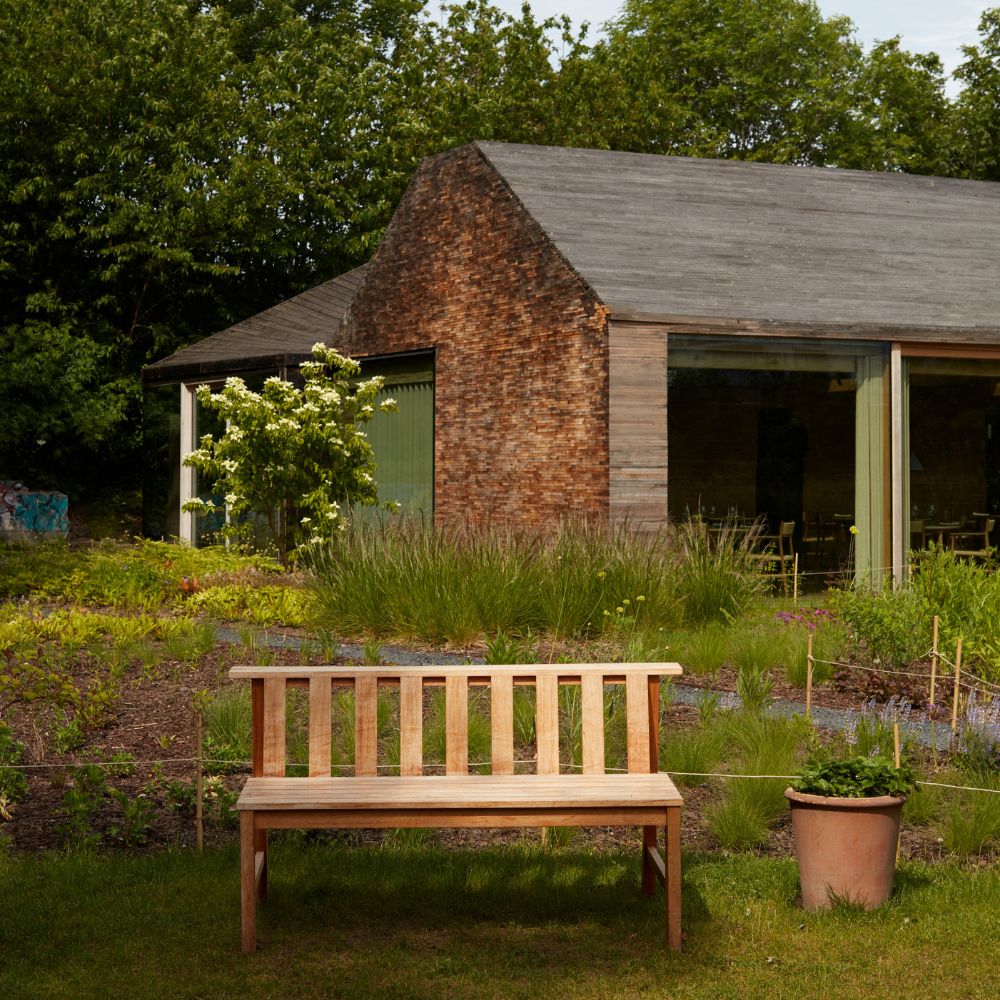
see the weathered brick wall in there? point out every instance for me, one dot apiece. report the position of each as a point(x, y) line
point(521, 366)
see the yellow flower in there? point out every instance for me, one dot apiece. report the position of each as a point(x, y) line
point(601, 575)
point(620, 610)
point(641, 597)
point(854, 529)
point(626, 602)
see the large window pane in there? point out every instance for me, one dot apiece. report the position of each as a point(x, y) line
point(788, 430)
point(952, 437)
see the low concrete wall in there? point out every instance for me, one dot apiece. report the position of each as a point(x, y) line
point(27, 515)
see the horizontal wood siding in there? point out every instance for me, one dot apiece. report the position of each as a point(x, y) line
point(637, 422)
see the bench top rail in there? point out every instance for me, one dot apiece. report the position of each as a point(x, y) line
point(642, 710)
point(612, 673)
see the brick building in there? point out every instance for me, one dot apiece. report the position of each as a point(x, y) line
point(817, 346)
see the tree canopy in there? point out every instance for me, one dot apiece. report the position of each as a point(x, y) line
point(168, 167)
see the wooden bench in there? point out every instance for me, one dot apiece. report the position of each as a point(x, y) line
point(642, 797)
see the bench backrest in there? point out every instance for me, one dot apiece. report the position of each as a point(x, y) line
point(642, 709)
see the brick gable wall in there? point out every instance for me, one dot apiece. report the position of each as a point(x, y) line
point(521, 370)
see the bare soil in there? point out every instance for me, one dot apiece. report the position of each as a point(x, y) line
point(154, 722)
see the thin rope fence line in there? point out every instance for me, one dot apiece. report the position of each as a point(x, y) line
point(395, 767)
point(962, 788)
point(980, 683)
point(943, 678)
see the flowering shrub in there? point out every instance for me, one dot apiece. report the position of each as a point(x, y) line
point(294, 455)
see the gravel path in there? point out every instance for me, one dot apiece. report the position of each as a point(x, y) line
point(825, 718)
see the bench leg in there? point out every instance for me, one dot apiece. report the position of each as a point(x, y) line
point(648, 868)
point(260, 846)
point(248, 894)
point(672, 882)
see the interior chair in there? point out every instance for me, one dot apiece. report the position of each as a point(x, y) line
point(961, 541)
point(779, 551)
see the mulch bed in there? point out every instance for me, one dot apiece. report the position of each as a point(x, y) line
point(154, 722)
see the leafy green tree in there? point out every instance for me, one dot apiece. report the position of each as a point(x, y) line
point(903, 120)
point(764, 80)
point(977, 145)
point(296, 455)
point(747, 79)
point(168, 167)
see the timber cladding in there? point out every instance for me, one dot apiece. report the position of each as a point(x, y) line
point(521, 346)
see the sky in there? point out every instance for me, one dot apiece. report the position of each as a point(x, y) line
point(940, 26)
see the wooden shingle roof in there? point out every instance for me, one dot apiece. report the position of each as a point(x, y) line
point(672, 238)
point(283, 334)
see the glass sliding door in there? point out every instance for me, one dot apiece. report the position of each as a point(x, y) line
point(784, 430)
point(951, 436)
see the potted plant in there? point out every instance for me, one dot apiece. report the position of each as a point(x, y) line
point(845, 821)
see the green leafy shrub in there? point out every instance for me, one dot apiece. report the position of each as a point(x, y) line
point(856, 778)
point(13, 783)
point(27, 569)
point(263, 605)
point(147, 575)
point(891, 627)
point(894, 626)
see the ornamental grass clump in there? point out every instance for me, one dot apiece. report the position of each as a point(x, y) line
point(457, 582)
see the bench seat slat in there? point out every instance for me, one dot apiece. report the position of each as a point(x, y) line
point(533, 791)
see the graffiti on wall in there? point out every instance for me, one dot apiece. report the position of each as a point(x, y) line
point(25, 513)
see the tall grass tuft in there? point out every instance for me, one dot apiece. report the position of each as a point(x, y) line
point(410, 580)
point(717, 571)
point(765, 745)
point(705, 650)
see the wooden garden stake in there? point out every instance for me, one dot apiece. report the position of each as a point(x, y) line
point(895, 758)
point(795, 579)
point(809, 675)
point(199, 831)
point(954, 700)
point(934, 661)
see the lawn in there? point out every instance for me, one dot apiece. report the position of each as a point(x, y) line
point(110, 651)
point(494, 922)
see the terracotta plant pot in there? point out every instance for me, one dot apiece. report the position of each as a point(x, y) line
point(846, 848)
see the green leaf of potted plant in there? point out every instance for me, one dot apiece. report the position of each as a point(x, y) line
point(845, 820)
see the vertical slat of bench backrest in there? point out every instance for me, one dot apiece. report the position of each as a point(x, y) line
point(592, 711)
point(274, 727)
point(547, 722)
point(637, 722)
point(365, 726)
point(653, 686)
point(456, 719)
point(502, 724)
point(257, 726)
point(411, 726)
point(319, 727)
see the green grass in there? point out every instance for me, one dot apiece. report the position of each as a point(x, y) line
point(407, 581)
point(517, 922)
